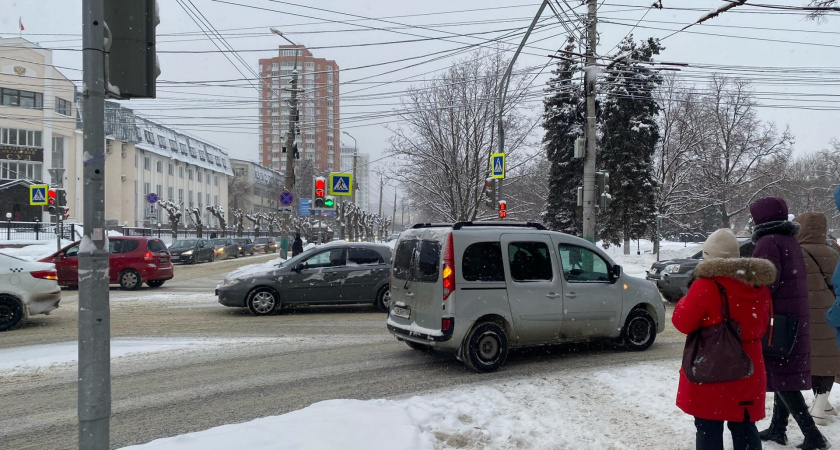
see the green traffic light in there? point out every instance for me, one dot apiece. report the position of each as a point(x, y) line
point(329, 203)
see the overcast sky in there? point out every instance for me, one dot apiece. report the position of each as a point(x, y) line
point(225, 112)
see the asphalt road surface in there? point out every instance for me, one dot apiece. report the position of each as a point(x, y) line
point(263, 366)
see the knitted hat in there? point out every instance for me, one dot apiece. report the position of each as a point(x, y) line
point(768, 209)
point(721, 244)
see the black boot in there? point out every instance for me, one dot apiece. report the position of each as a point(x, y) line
point(815, 442)
point(795, 403)
point(778, 424)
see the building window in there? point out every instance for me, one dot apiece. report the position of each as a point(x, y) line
point(183, 148)
point(208, 199)
point(180, 196)
point(147, 163)
point(290, 52)
point(162, 141)
point(159, 166)
point(150, 137)
point(207, 178)
point(201, 156)
point(171, 169)
point(198, 198)
point(58, 153)
point(25, 138)
point(216, 180)
point(147, 188)
point(215, 199)
point(173, 145)
point(199, 176)
point(169, 196)
point(13, 170)
point(181, 172)
point(190, 174)
point(64, 107)
point(240, 171)
point(23, 99)
point(190, 193)
point(159, 190)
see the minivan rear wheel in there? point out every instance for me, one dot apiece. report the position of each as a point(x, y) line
point(487, 347)
point(130, 280)
point(639, 331)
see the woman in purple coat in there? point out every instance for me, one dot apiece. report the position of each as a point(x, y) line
point(775, 240)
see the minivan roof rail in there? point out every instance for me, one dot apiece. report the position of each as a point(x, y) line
point(431, 225)
point(497, 223)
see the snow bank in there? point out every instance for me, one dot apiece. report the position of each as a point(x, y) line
point(629, 407)
point(636, 265)
point(34, 252)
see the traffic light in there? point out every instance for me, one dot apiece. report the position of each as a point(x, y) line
point(329, 203)
point(602, 183)
point(52, 207)
point(131, 62)
point(490, 187)
point(60, 197)
point(319, 192)
point(502, 209)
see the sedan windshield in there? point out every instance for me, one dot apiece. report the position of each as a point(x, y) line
point(188, 243)
point(218, 241)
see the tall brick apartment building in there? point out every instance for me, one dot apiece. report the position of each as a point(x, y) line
point(319, 109)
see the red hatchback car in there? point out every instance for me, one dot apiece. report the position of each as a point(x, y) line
point(133, 261)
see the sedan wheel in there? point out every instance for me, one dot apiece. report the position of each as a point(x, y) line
point(383, 300)
point(263, 302)
point(11, 312)
point(130, 280)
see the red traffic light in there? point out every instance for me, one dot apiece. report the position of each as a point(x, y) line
point(502, 209)
point(51, 197)
point(320, 183)
point(320, 187)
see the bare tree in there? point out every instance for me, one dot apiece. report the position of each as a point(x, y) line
point(195, 216)
point(239, 194)
point(442, 152)
point(219, 213)
point(174, 213)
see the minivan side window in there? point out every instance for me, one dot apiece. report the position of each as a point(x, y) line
point(529, 261)
point(482, 261)
point(72, 251)
point(582, 265)
point(364, 256)
point(129, 246)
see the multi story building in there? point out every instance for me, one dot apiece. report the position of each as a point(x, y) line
point(143, 157)
point(362, 174)
point(38, 137)
point(253, 188)
point(318, 103)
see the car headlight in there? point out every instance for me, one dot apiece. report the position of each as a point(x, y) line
point(671, 268)
point(187, 253)
point(229, 282)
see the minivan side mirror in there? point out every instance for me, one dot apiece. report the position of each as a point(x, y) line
point(616, 272)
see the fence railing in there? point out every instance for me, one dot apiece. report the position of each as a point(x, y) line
point(38, 231)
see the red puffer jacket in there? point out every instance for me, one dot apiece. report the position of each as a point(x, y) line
point(745, 281)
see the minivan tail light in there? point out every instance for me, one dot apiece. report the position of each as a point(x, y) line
point(448, 268)
point(148, 256)
point(44, 274)
point(446, 323)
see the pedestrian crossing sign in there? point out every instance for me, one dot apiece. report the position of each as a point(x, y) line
point(38, 194)
point(341, 184)
point(497, 168)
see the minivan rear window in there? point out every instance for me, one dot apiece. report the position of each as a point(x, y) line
point(156, 245)
point(417, 260)
point(482, 261)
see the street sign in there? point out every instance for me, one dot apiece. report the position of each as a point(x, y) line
point(38, 194)
point(152, 198)
point(341, 184)
point(497, 168)
point(305, 206)
point(286, 198)
point(285, 210)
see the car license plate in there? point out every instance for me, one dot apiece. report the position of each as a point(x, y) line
point(405, 313)
point(164, 259)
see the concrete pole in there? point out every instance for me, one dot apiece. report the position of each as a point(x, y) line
point(94, 388)
point(289, 179)
point(589, 164)
point(381, 185)
point(394, 215)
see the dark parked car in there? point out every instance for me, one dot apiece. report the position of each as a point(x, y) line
point(674, 276)
point(265, 244)
point(334, 273)
point(225, 248)
point(132, 261)
point(191, 251)
point(246, 247)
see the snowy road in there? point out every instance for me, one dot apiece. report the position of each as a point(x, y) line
point(205, 365)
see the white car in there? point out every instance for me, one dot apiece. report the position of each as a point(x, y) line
point(26, 288)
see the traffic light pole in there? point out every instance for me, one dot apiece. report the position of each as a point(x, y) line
point(589, 164)
point(289, 178)
point(94, 385)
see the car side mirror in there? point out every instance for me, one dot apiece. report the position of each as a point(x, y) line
point(298, 267)
point(616, 272)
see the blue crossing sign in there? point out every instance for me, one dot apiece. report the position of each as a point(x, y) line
point(341, 184)
point(38, 194)
point(497, 166)
point(286, 198)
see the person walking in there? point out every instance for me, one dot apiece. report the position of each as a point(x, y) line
point(820, 263)
point(775, 240)
point(738, 402)
point(297, 245)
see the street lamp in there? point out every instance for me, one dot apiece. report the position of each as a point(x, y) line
point(158, 230)
point(8, 226)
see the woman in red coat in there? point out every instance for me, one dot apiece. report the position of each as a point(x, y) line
point(739, 402)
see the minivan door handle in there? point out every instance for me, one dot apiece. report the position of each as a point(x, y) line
point(571, 295)
point(552, 295)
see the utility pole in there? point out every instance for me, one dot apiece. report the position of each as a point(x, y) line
point(589, 164)
point(381, 185)
point(394, 215)
point(355, 155)
point(402, 216)
point(94, 385)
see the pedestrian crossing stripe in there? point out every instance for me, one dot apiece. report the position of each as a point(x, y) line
point(38, 194)
point(497, 166)
point(341, 184)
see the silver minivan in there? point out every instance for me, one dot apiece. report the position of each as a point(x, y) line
point(482, 288)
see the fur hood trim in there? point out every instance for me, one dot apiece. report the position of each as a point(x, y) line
point(782, 227)
point(753, 271)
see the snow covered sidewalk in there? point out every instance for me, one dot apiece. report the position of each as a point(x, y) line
point(619, 408)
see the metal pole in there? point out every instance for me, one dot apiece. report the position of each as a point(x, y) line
point(589, 165)
point(58, 231)
point(503, 88)
point(355, 155)
point(394, 216)
point(94, 403)
point(381, 185)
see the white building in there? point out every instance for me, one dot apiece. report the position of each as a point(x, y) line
point(362, 174)
point(254, 188)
